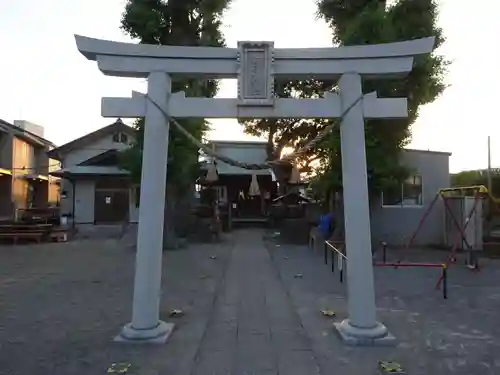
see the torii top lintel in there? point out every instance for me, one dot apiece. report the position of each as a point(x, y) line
point(138, 60)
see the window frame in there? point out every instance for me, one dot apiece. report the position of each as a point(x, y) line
point(120, 137)
point(402, 204)
point(123, 137)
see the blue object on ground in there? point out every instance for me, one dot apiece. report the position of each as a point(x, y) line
point(324, 224)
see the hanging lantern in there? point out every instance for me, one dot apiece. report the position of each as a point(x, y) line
point(254, 187)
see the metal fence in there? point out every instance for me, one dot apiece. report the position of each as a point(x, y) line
point(338, 258)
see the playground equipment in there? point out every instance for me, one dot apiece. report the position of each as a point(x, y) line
point(337, 250)
point(463, 220)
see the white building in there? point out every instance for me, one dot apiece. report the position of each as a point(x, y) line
point(94, 189)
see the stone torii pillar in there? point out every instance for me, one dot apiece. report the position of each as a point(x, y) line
point(256, 65)
point(145, 323)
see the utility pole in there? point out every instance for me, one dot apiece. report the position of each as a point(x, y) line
point(489, 165)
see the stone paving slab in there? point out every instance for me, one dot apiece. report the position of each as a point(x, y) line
point(262, 319)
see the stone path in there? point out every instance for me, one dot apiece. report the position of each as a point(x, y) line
point(254, 328)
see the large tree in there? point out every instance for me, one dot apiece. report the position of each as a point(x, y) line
point(290, 133)
point(175, 22)
point(382, 21)
point(357, 23)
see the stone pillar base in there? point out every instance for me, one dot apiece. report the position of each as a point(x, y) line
point(355, 336)
point(156, 335)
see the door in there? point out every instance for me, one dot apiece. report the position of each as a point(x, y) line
point(111, 206)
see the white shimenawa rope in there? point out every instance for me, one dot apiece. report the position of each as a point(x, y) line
point(251, 166)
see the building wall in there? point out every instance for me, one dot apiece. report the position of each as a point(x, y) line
point(54, 192)
point(19, 192)
point(23, 160)
point(23, 156)
point(66, 197)
point(395, 225)
point(6, 140)
point(84, 201)
point(41, 193)
point(85, 189)
point(28, 159)
point(6, 208)
point(80, 155)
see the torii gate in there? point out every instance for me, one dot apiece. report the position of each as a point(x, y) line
point(256, 65)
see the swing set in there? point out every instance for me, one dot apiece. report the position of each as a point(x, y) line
point(463, 220)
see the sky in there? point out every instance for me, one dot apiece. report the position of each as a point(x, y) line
point(45, 80)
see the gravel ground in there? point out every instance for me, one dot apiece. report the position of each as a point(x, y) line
point(62, 304)
point(457, 336)
point(246, 312)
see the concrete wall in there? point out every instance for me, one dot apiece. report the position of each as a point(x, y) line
point(396, 225)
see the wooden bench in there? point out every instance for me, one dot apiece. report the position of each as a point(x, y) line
point(15, 236)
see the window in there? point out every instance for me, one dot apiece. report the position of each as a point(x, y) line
point(120, 138)
point(408, 194)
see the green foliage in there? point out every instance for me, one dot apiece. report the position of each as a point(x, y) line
point(372, 22)
point(469, 178)
point(478, 177)
point(175, 22)
point(356, 23)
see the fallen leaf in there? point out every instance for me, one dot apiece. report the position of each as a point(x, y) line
point(119, 368)
point(298, 275)
point(213, 257)
point(390, 367)
point(329, 313)
point(176, 313)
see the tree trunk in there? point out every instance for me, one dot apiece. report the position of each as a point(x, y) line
point(170, 240)
point(176, 217)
